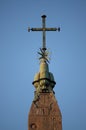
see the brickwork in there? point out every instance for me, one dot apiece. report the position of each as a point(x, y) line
point(45, 113)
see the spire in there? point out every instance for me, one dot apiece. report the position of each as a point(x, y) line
point(44, 79)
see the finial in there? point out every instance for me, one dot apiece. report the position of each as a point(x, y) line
point(44, 79)
point(43, 50)
point(43, 16)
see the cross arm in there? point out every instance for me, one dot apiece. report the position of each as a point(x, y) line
point(44, 29)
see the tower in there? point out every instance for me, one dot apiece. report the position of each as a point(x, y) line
point(44, 112)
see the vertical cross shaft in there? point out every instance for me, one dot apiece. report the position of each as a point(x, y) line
point(44, 32)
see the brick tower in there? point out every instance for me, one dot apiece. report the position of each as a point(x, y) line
point(44, 112)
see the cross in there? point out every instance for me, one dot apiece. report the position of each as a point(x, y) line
point(44, 29)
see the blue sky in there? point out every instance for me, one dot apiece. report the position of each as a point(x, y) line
point(19, 61)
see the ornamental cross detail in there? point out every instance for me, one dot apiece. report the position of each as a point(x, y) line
point(43, 29)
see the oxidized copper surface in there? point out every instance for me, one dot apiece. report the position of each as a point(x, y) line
point(45, 113)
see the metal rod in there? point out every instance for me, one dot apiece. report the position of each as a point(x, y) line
point(44, 32)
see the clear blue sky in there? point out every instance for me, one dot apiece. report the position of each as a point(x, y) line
point(19, 60)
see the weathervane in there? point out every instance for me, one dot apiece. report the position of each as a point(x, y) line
point(44, 53)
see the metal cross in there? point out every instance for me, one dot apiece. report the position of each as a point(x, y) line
point(44, 29)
